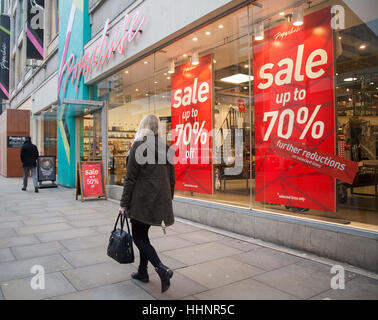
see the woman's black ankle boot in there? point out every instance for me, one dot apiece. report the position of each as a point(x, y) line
point(141, 275)
point(165, 275)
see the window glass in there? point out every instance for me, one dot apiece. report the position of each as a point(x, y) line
point(315, 107)
point(149, 87)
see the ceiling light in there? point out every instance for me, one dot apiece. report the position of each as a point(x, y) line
point(298, 16)
point(246, 66)
point(350, 79)
point(195, 58)
point(259, 31)
point(146, 94)
point(208, 33)
point(172, 66)
point(155, 82)
point(245, 88)
point(347, 89)
point(136, 89)
point(195, 39)
point(362, 46)
point(340, 38)
point(282, 13)
point(168, 78)
point(184, 55)
point(215, 61)
point(145, 62)
point(126, 71)
point(220, 26)
point(237, 78)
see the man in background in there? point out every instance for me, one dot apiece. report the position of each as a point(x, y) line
point(29, 156)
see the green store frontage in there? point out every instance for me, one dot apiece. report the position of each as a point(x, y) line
point(282, 100)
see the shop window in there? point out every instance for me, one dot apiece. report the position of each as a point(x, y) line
point(146, 88)
point(333, 125)
point(283, 81)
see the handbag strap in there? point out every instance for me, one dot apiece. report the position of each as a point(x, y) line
point(123, 218)
point(115, 226)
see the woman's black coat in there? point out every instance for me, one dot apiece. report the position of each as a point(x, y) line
point(149, 188)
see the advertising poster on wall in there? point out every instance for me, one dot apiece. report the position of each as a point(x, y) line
point(191, 107)
point(4, 56)
point(35, 29)
point(295, 116)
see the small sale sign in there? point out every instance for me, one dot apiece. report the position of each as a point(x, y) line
point(294, 104)
point(91, 179)
point(191, 114)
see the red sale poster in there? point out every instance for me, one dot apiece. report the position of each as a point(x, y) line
point(92, 179)
point(191, 107)
point(294, 104)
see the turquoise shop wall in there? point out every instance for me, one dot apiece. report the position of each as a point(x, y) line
point(74, 32)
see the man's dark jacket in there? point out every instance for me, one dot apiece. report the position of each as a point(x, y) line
point(29, 155)
point(149, 188)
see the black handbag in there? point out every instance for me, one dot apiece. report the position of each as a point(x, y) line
point(120, 246)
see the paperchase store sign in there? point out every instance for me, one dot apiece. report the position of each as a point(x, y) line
point(104, 49)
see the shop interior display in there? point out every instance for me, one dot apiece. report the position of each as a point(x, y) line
point(92, 138)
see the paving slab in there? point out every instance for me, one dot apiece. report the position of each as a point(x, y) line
point(88, 256)
point(43, 228)
point(6, 255)
point(360, 288)
point(66, 234)
point(86, 242)
point(169, 243)
point(157, 232)
point(181, 287)
point(201, 236)
point(201, 253)
point(10, 218)
point(267, 259)
point(7, 233)
point(296, 280)
point(84, 217)
point(90, 223)
point(42, 221)
point(21, 268)
point(239, 244)
point(248, 289)
point(98, 275)
point(217, 273)
point(18, 241)
point(126, 290)
point(44, 215)
point(55, 284)
point(11, 224)
point(38, 250)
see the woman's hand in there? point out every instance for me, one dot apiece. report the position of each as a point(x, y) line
point(122, 211)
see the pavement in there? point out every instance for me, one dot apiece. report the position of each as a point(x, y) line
point(68, 239)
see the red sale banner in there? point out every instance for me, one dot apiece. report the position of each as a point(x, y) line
point(191, 107)
point(294, 94)
point(92, 179)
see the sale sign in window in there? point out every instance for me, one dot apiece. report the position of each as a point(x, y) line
point(191, 116)
point(294, 115)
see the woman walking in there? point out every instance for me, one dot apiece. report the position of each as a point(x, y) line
point(147, 195)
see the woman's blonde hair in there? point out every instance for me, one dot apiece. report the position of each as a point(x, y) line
point(148, 126)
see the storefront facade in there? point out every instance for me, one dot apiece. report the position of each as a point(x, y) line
point(272, 110)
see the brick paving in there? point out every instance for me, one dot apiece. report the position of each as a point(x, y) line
point(69, 239)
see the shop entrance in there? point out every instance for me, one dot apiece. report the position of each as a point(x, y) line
point(90, 117)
